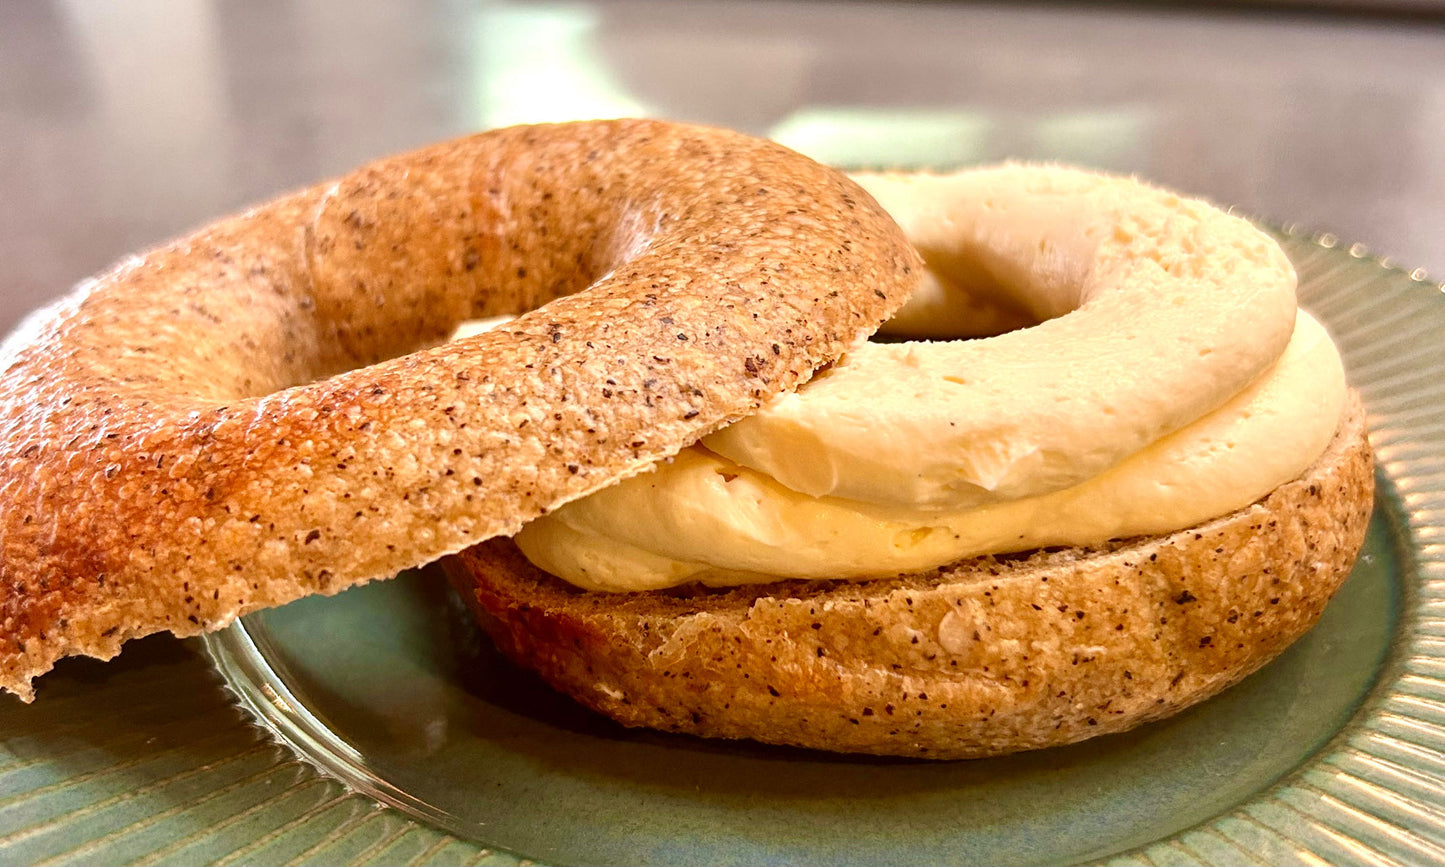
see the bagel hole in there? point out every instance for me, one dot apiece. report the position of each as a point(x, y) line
point(921, 335)
point(958, 301)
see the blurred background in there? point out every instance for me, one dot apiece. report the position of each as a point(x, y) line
point(126, 122)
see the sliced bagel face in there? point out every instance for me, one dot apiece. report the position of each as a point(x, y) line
point(984, 657)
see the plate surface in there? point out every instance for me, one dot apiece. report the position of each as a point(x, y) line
point(390, 689)
point(1334, 753)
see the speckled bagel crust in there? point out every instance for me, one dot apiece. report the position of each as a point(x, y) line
point(983, 657)
point(233, 421)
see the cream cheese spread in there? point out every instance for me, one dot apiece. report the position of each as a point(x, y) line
point(1152, 310)
point(1152, 374)
point(703, 518)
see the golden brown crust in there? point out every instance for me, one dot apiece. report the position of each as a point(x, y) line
point(178, 444)
point(984, 657)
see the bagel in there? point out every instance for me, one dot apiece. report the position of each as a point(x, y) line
point(984, 657)
point(267, 408)
point(968, 580)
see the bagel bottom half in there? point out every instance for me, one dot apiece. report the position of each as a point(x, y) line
point(983, 657)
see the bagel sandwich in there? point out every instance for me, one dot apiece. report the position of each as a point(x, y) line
point(269, 408)
point(1144, 481)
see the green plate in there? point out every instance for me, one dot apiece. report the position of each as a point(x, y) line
point(1334, 753)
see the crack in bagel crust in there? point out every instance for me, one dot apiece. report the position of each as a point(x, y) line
point(231, 421)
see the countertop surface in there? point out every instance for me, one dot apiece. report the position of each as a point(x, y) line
point(122, 127)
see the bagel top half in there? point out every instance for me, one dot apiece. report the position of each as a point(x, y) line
point(265, 409)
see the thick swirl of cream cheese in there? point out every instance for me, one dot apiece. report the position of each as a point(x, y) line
point(1167, 381)
point(704, 518)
